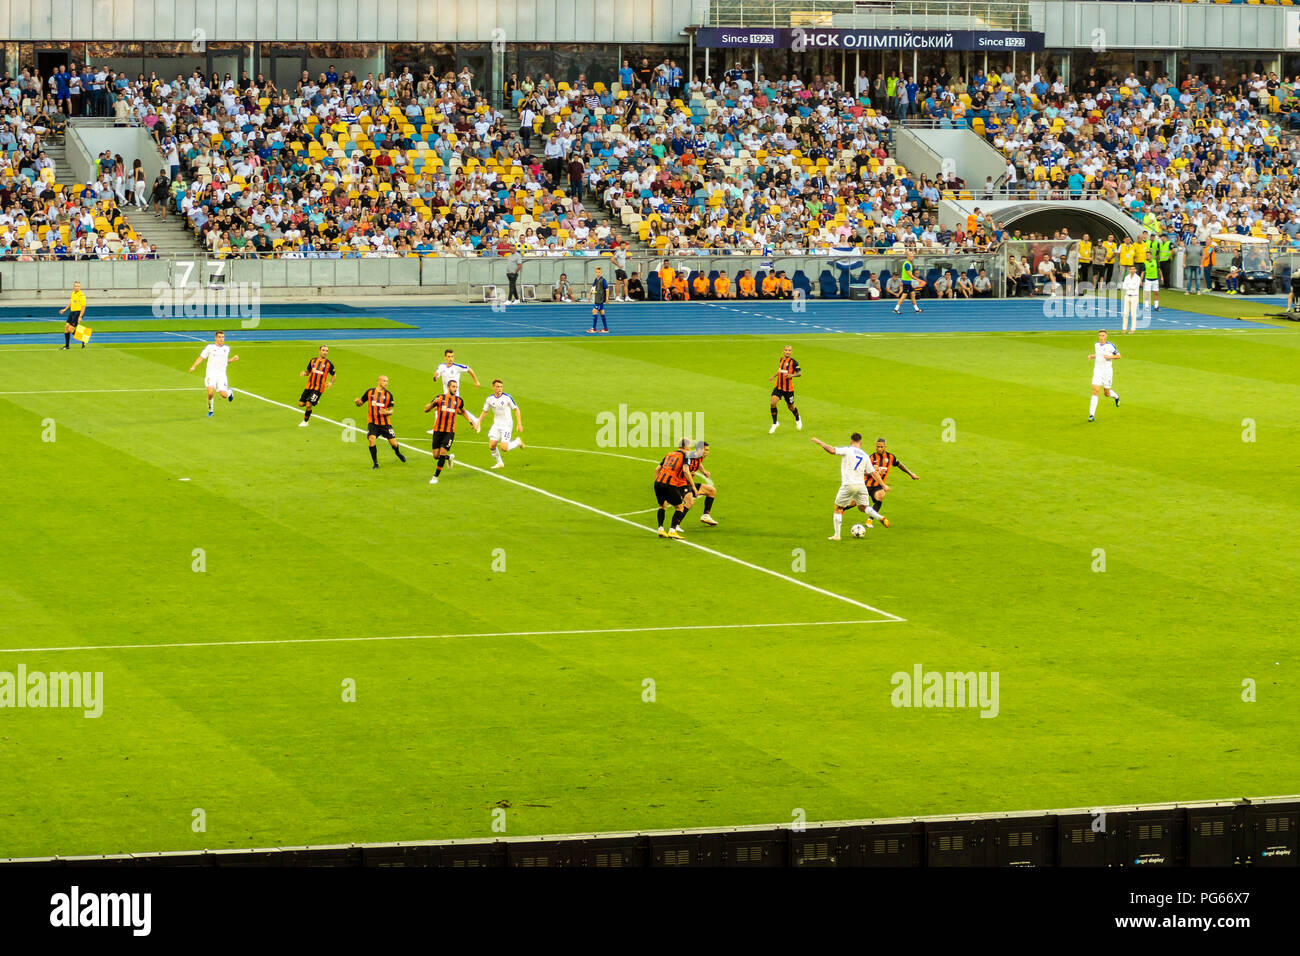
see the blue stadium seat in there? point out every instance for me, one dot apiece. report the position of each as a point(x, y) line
point(801, 283)
point(828, 287)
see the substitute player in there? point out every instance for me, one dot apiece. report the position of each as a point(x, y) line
point(1103, 372)
point(501, 404)
point(320, 376)
point(217, 354)
point(907, 275)
point(448, 406)
point(673, 483)
point(782, 380)
point(706, 490)
point(599, 295)
point(379, 419)
point(1151, 278)
point(76, 310)
point(1131, 289)
point(855, 465)
point(883, 460)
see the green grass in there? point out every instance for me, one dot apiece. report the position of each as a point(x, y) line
point(1226, 307)
point(1115, 687)
point(108, 326)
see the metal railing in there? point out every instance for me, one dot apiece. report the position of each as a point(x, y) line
point(866, 14)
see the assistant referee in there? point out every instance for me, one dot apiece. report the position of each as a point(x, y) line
point(76, 310)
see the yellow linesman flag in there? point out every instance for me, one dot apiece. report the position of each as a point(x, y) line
point(82, 333)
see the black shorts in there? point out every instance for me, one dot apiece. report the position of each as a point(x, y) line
point(669, 494)
point(871, 491)
point(309, 396)
point(788, 396)
point(1084, 269)
point(906, 289)
point(381, 431)
point(620, 274)
point(443, 440)
point(74, 318)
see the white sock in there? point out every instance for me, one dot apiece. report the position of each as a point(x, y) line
point(1114, 394)
point(496, 454)
point(838, 518)
point(1092, 407)
point(872, 512)
point(209, 404)
point(513, 444)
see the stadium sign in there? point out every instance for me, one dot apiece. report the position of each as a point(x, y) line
point(800, 39)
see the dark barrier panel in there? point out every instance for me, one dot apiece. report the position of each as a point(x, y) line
point(1271, 832)
point(1214, 837)
point(1244, 833)
point(1084, 839)
point(1154, 838)
point(1024, 841)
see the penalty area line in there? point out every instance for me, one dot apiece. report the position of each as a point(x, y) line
point(442, 637)
point(605, 514)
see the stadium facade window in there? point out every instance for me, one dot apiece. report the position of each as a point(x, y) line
point(419, 58)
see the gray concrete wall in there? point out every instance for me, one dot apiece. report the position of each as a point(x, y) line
point(972, 158)
point(85, 142)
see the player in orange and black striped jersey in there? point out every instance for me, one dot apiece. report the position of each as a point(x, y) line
point(705, 488)
point(447, 406)
point(320, 376)
point(379, 411)
point(673, 482)
point(783, 380)
point(877, 486)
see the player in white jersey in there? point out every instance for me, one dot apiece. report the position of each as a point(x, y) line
point(1103, 372)
point(450, 371)
point(500, 404)
point(217, 354)
point(1131, 293)
point(855, 465)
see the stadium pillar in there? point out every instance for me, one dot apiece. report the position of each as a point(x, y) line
point(706, 63)
point(755, 66)
point(690, 57)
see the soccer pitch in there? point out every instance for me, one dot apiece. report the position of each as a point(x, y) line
point(297, 649)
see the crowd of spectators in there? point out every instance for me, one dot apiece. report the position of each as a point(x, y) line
point(414, 163)
point(41, 219)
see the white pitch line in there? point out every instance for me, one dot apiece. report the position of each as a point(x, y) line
point(101, 391)
point(578, 451)
point(626, 514)
point(440, 637)
point(605, 514)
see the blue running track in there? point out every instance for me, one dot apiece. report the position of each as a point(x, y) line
point(679, 318)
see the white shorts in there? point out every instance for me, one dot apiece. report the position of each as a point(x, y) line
point(216, 384)
point(1103, 379)
point(1151, 285)
point(850, 495)
point(499, 433)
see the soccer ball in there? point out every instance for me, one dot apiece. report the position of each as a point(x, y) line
point(858, 531)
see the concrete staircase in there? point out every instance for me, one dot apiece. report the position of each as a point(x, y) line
point(173, 237)
point(590, 202)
